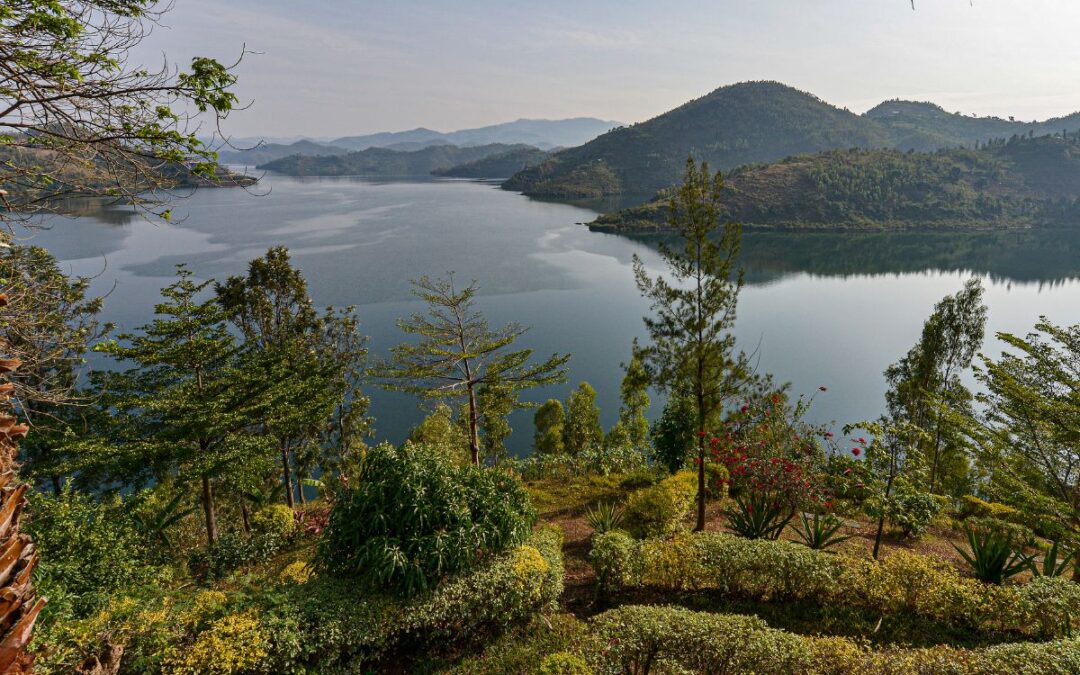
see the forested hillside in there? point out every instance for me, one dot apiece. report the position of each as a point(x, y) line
point(385, 162)
point(496, 166)
point(1008, 183)
point(749, 123)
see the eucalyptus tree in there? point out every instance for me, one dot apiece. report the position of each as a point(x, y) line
point(188, 403)
point(925, 388)
point(457, 354)
point(692, 351)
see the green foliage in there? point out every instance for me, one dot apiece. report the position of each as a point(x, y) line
point(440, 432)
point(673, 433)
point(821, 531)
point(582, 431)
point(413, 518)
point(90, 550)
point(1055, 563)
point(903, 586)
point(759, 515)
point(563, 663)
point(925, 389)
point(634, 394)
point(324, 624)
point(992, 556)
point(912, 512)
point(605, 517)
point(659, 509)
point(274, 520)
point(457, 354)
point(692, 351)
point(550, 423)
point(972, 506)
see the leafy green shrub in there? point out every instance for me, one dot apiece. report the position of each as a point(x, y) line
point(414, 518)
point(716, 480)
point(323, 625)
point(972, 506)
point(642, 640)
point(89, 550)
point(276, 520)
point(912, 512)
point(992, 556)
point(657, 510)
point(904, 583)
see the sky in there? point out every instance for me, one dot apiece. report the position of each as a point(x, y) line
point(327, 68)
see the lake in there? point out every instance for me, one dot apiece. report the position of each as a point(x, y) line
point(819, 309)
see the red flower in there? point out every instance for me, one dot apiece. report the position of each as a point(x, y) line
point(828, 434)
point(745, 408)
point(856, 451)
point(862, 441)
point(701, 434)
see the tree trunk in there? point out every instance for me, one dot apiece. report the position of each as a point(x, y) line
point(245, 518)
point(700, 525)
point(300, 487)
point(474, 423)
point(208, 511)
point(286, 475)
point(881, 519)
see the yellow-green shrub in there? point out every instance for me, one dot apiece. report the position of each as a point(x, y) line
point(564, 663)
point(233, 644)
point(903, 583)
point(970, 505)
point(676, 640)
point(297, 572)
point(275, 520)
point(658, 509)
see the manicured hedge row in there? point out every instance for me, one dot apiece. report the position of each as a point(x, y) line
point(779, 570)
point(317, 625)
point(642, 640)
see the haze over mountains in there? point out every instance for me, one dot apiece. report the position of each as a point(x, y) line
point(749, 123)
point(542, 134)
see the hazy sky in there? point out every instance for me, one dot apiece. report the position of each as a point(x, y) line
point(334, 67)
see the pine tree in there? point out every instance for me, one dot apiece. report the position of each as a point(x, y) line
point(187, 405)
point(693, 352)
point(582, 430)
point(634, 393)
point(458, 354)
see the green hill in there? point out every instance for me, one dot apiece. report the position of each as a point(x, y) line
point(1016, 183)
point(496, 166)
point(749, 123)
point(383, 162)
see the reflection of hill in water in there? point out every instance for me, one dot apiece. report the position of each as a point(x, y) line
point(1038, 255)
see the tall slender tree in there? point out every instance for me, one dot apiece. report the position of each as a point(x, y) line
point(692, 352)
point(187, 404)
point(925, 388)
point(458, 354)
point(550, 423)
point(582, 430)
point(634, 393)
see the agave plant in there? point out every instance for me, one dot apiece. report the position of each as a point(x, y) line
point(1051, 566)
point(604, 518)
point(156, 525)
point(820, 532)
point(993, 557)
point(759, 516)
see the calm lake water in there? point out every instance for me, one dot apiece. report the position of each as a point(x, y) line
point(830, 309)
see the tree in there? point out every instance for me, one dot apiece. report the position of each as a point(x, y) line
point(1030, 429)
point(51, 338)
point(634, 393)
point(496, 401)
point(582, 430)
point(442, 433)
point(306, 359)
point(187, 404)
point(673, 434)
point(892, 462)
point(80, 117)
point(550, 423)
point(457, 354)
point(693, 352)
point(925, 387)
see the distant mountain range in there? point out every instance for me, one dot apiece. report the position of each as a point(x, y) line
point(542, 134)
point(749, 123)
point(1021, 182)
point(384, 162)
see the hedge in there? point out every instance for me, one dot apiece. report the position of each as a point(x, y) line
point(642, 640)
point(903, 582)
point(321, 624)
